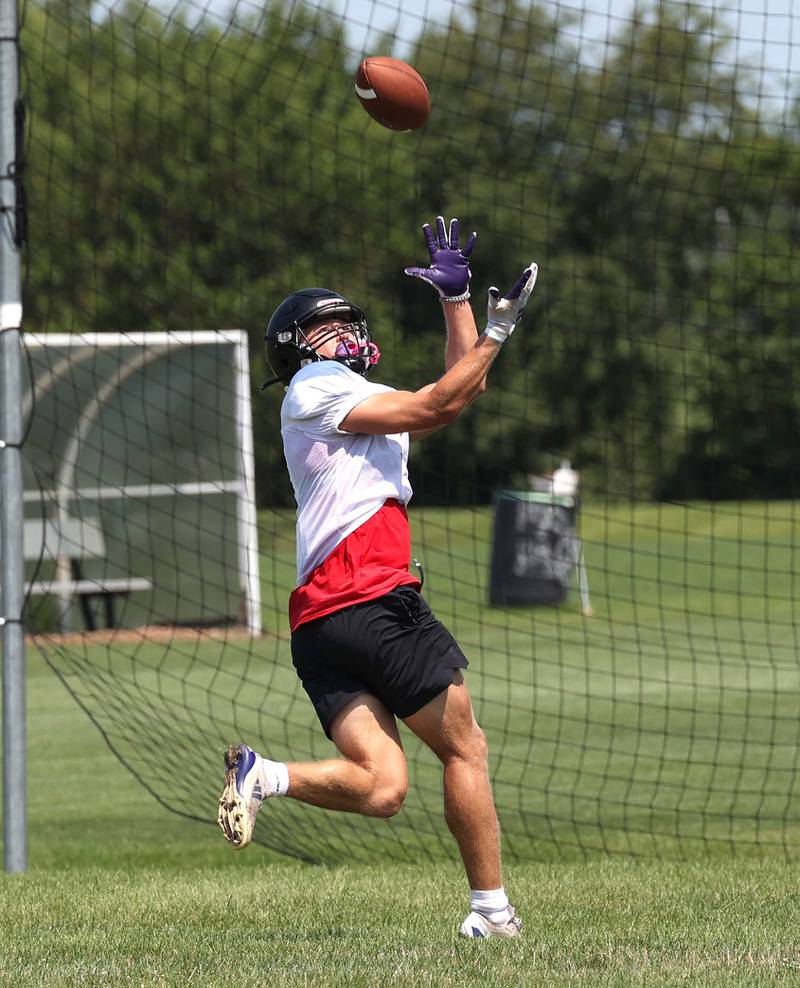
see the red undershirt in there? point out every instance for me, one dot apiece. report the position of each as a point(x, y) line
point(370, 562)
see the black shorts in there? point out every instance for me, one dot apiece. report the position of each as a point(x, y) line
point(392, 647)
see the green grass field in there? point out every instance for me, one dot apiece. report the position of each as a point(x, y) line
point(664, 683)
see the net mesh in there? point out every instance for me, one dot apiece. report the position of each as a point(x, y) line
point(189, 165)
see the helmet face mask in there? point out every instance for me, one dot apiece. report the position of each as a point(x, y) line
point(288, 346)
point(354, 345)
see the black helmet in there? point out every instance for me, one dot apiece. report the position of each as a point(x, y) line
point(285, 341)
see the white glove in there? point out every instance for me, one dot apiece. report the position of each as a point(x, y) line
point(504, 312)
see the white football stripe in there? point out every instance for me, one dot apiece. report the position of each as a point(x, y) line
point(366, 93)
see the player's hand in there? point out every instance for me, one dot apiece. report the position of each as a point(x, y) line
point(505, 311)
point(449, 272)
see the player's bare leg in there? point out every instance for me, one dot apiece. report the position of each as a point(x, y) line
point(448, 728)
point(447, 725)
point(371, 778)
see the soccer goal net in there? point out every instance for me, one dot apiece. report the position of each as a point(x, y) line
point(139, 476)
point(190, 164)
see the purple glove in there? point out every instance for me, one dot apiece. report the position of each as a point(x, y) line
point(449, 272)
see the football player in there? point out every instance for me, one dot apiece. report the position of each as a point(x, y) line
point(365, 644)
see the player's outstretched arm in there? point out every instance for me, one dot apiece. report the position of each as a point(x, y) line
point(439, 404)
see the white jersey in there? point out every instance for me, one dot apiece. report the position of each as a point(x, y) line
point(340, 479)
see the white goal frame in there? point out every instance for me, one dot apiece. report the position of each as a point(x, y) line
point(154, 345)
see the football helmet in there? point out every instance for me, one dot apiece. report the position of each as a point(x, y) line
point(287, 345)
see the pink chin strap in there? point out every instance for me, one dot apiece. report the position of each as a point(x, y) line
point(367, 351)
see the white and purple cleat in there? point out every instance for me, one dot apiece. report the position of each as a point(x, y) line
point(242, 796)
point(477, 926)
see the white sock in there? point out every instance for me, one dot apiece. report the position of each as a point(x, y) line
point(276, 777)
point(492, 903)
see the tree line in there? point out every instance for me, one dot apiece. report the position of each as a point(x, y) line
point(187, 172)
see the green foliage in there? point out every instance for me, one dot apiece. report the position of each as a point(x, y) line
point(190, 172)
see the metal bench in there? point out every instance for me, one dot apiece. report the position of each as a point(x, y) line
point(72, 541)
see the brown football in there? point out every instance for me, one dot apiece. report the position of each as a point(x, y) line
point(393, 93)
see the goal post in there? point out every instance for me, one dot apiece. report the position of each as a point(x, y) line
point(248, 522)
point(15, 846)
